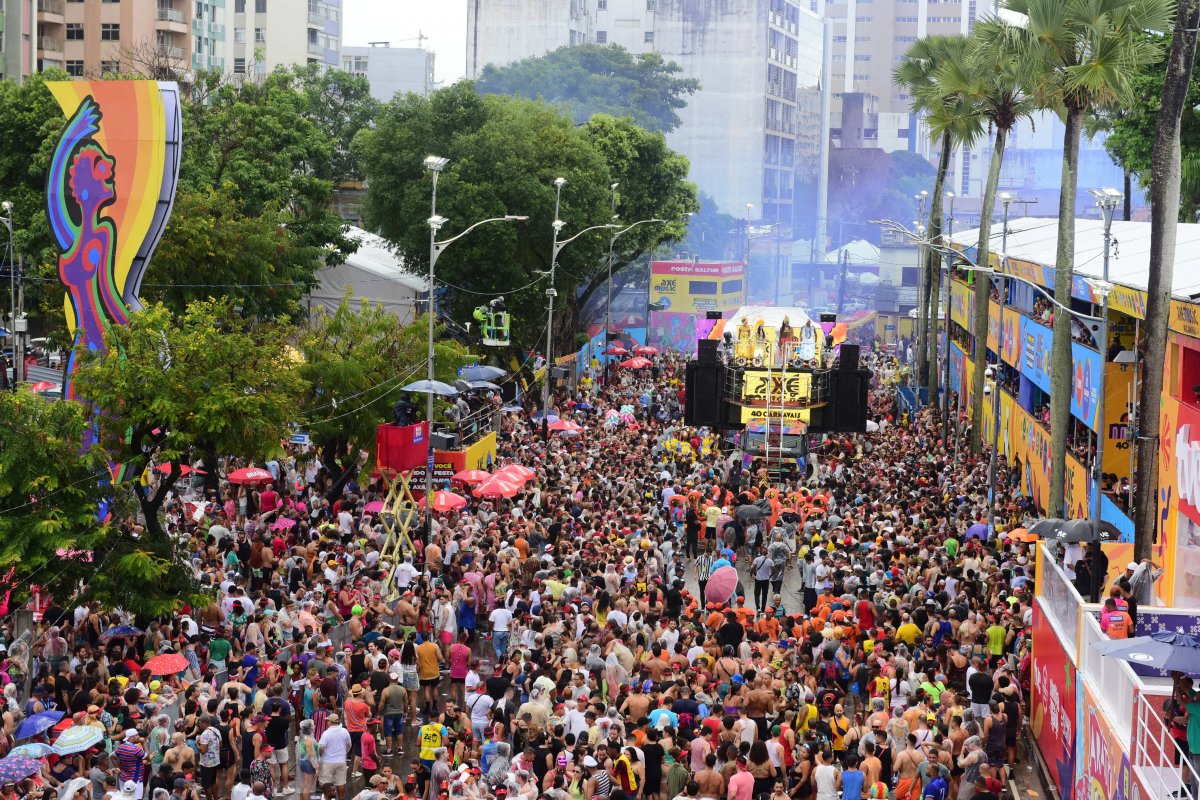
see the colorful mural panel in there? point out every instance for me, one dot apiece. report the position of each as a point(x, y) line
point(1052, 715)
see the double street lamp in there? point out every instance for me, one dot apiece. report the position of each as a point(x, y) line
point(435, 165)
point(551, 293)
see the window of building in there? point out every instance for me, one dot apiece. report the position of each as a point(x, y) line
point(260, 36)
point(114, 2)
point(199, 47)
point(75, 68)
point(239, 6)
point(110, 32)
point(239, 66)
point(649, 5)
point(864, 19)
point(906, 38)
point(862, 58)
point(601, 5)
point(906, 19)
point(74, 1)
point(648, 37)
point(839, 56)
point(260, 6)
point(110, 67)
point(862, 38)
point(601, 37)
point(74, 31)
point(839, 38)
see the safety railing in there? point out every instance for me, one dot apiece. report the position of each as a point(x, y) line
point(1118, 686)
point(1164, 768)
point(1060, 601)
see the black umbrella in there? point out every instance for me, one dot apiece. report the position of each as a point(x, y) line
point(1047, 528)
point(1081, 530)
point(749, 512)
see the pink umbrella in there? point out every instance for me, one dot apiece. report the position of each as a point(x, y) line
point(565, 426)
point(720, 585)
point(250, 475)
point(616, 350)
point(637, 362)
point(472, 476)
point(645, 350)
point(519, 471)
point(282, 524)
point(373, 507)
point(43, 386)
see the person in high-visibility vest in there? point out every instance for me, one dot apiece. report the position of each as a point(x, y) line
point(433, 734)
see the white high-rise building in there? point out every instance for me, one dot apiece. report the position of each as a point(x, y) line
point(271, 33)
point(392, 70)
point(751, 132)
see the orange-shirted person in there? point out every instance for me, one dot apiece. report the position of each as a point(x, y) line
point(522, 546)
point(769, 625)
point(1115, 622)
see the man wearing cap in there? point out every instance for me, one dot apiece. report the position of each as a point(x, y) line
point(334, 746)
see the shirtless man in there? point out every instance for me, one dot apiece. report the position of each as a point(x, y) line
point(905, 766)
point(656, 665)
point(407, 614)
point(712, 785)
point(636, 705)
point(759, 702)
point(871, 766)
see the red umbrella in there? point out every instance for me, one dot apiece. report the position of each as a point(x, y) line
point(636, 362)
point(446, 501)
point(564, 425)
point(498, 486)
point(167, 664)
point(44, 386)
point(250, 475)
point(616, 350)
point(472, 476)
point(184, 469)
point(520, 472)
point(646, 350)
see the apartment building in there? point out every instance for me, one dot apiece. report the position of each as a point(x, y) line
point(270, 33)
point(392, 70)
point(752, 131)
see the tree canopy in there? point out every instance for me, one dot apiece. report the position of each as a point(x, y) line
point(591, 79)
point(505, 154)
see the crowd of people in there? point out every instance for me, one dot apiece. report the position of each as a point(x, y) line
point(562, 644)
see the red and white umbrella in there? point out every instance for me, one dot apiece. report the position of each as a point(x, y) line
point(446, 501)
point(645, 350)
point(250, 475)
point(44, 386)
point(637, 362)
point(616, 350)
point(184, 469)
point(520, 472)
point(498, 486)
point(472, 476)
point(565, 426)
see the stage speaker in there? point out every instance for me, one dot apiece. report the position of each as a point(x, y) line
point(559, 373)
point(443, 440)
point(848, 359)
point(706, 352)
point(702, 400)
point(828, 318)
point(849, 400)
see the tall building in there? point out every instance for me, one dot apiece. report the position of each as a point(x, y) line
point(18, 40)
point(392, 70)
point(270, 33)
point(752, 131)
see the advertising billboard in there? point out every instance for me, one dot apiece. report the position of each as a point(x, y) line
point(1052, 712)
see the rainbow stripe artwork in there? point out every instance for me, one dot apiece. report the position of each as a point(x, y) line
point(109, 194)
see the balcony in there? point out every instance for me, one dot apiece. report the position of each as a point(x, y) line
point(315, 49)
point(50, 11)
point(167, 51)
point(50, 44)
point(316, 20)
point(167, 14)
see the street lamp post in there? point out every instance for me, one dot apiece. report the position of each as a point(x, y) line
point(1005, 199)
point(946, 328)
point(1107, 201)
point(7, 219)
point(612, 241)
point(435, 165)
point(551, 293)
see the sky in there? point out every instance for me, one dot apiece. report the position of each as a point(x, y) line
point(444, 23)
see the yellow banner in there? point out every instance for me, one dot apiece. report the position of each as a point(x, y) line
point(1185, 318)
point(777, 387)
point(960, 303)
point(1118, 382)
point(786, 414)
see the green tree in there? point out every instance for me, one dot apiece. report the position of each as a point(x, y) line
point(355, 363)
point(594, 79)
point(952, 120)
point(1088, 53)
point(209, 381)
point(505, 154)
point(51, 488)
point(993, 81)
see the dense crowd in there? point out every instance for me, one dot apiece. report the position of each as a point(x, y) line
point(562, 644)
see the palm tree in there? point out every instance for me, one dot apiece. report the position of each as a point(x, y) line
point(1166, 174)
point(992, 81)
point(1088, 50)
point(951, 121)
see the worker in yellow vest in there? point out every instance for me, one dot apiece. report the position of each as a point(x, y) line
point(433, 734)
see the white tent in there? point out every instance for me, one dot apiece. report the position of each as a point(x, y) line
point(372, 273)
point(772, 316)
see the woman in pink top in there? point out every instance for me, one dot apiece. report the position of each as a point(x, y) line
point(370, 753)
point(460, 665)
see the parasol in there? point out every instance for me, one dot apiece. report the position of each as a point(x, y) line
point(520, 471)
point(978, 531)
point(32, 750)
point(430, 387)
point(184, 469)
point(481, 372)
point(373, 507)
point(564, 425)
point(120, 631)
point(1166, 650)
point(167, 664)
point(1022, 535)
point(720, 585)
point(250, 475)
point(282, 524)
point(446, 501)
point(37, 724)
point(497, 487)
point(616, 350)
point(78, 738)
point(14, 769)
point(637, 362)
point(471, 476)
point(645, 350)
